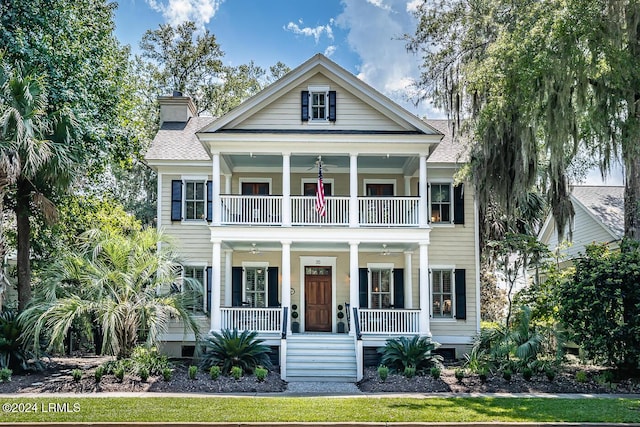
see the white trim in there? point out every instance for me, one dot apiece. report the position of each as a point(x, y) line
point(196, 178)
point(260, 180)
point(318, 261)
point(452, 339)
point(304, 181)
point(318, 88)
point(197, 265)
point(450, 182)
point(159, 205)
point(183, 211)
point(367, 181)
point(452, 269)
point(380, 266)
point(256, 264)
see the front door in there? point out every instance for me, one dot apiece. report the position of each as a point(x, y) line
point(317, 292)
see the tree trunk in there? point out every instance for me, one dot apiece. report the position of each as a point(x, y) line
point(23, 225)
point(632, 199)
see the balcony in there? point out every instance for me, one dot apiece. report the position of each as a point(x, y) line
point(267, 210)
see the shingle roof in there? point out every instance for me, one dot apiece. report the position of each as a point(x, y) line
point(178, 141)
point(448, 150)
point(606, 203)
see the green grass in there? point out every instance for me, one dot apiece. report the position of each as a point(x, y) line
point(282, 409)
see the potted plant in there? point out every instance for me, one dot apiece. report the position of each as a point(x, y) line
point(295, 325)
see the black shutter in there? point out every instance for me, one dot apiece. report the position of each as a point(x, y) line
point(458, 204)
point(207, 301)
point(461, 294)
point(332, 105)
point(364, 288)
point(236, 286)
point(272, 277)
point(209, 200)
point(304, 102)
point(398, 288)
point(176, 200)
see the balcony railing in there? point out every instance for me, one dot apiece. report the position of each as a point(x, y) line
point(389, 321)
point(372, 211)
point(251, 319)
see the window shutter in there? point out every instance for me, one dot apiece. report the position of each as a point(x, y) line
point(209, 200)
point(458, 204)
point(176, 200)
point(236, 286)
point(398, 288)
point(207, 301)
point(461, 293)
point(272, 278)
point(305, 105)
point(364, 288)
point(332, 105)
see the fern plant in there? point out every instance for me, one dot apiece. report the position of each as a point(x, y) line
point(416, 352)
point(229, 348)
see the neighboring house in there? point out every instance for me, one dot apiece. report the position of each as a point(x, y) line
point(395, 253)
point(599, 218)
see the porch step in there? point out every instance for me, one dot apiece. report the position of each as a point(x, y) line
point(320, 357)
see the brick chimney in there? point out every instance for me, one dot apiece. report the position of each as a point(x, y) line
point(176, 108)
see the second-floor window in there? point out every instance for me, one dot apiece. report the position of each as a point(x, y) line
point(441, 203)
point(194, 200)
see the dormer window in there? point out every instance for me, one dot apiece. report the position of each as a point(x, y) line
point(318, 105)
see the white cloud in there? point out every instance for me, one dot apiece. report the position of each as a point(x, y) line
point(176, 12)
point(315, 32)
point(412, 6)
point(375, 34)
point(330, 50)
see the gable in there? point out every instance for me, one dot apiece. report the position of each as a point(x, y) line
point(284, 112)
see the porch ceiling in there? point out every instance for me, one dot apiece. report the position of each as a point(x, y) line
point(303, 163)
point(391, 249)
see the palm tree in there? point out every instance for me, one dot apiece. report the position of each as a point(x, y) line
point(34, 155)
point(122, 286)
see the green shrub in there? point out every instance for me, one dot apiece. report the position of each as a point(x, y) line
point(143, 373)
point(214, 372)
point(482, 375)
point(416, 352)
point(506, 374)
point(435, 372)
point(5, 375)
point(98, 374)
point(459, 374)
point(550, 373)
point(261, 373)
point(149, 359)
point(119, 373)
point(13, 352)
point(383, 373)
point(193, 371)
point(167, 373)
point(409, 372)
point(581, 376)
point(229, 348)
point(77, 375)
point(605, 377)
point(236, 372)
point(527, 374)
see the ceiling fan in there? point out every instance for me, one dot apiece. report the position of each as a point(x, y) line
point(325, 167)
point(254, 250)
point(386, 251)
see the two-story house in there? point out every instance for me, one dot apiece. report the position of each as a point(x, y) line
point(390, 247)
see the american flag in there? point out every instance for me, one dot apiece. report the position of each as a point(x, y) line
point(321, 206)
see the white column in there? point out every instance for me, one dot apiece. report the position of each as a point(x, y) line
point(286, 280)
point(159, 203)
point(227, 183)
point(423, 209)
point(407, 186)
point(353, 191)
point(286, 189)
point(228, 267)
point(216, 322)
point(408, 280)
point(425, 290)
point(215, 179)
point(354, 283)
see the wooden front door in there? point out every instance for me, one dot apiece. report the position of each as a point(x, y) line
point(317, 292)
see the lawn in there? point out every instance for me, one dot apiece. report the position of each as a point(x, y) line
point(309, 409)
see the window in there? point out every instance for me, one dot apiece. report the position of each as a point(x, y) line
point(255, 188)
point(442, 286)
point(194, 200)
point(318, 106)
point(381, 288)
point(197, 274)
point(441, 203)
point(255, 286)
point(309, 188)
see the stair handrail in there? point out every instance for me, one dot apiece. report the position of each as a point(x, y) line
point(347, 305)
point(356, 322)
point(285, 319)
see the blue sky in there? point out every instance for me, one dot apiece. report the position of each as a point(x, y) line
point(363, 36)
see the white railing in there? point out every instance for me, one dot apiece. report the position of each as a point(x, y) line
point(303, 211)
point(389, 211)
point(240, 209)
point(389, 321)
point(252, 319)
